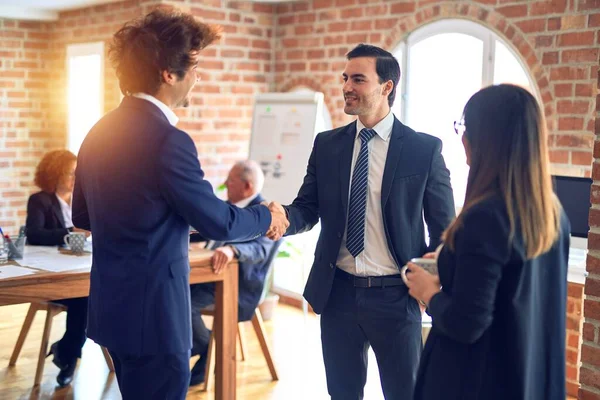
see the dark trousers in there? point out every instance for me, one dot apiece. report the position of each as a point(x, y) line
point(152, 377)
point(202, 295)
point(69, 347)
point(387, 319)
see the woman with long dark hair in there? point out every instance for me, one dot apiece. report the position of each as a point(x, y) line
point(499, 317)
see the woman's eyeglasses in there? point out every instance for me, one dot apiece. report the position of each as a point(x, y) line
point(459, 127)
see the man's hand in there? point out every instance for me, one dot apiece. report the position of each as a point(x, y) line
point(279, 222)
point(221, 257)
point(87, 233)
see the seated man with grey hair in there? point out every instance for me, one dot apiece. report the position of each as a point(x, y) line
point(244, 183)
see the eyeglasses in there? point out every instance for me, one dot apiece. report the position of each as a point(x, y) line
point(459, 127)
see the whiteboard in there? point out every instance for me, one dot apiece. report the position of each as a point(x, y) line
point(283, 130)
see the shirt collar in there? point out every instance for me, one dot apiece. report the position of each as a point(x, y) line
point(383, 127)
point(244, 203)
point(171, 117)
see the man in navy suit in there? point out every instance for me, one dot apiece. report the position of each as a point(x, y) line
point(371, 183)
point(139, 186)
point(244, 183)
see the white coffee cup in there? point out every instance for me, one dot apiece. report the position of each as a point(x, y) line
point(428, 264)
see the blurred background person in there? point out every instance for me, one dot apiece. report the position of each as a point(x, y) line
point(48, 221)
point(244, 183)
point(499, 318)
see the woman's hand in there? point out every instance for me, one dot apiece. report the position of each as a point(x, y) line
point(421, 284)
point(432, 255)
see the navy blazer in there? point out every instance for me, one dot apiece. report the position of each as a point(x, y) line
point(416, 183)
point(499, 323)
point(45, 225)
point(254, 258)
point(138, 188)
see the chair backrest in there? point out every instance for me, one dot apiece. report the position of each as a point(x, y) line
point(270, 263)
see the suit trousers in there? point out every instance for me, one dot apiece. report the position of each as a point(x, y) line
point(202, 295)
point(387, 319)
point(152, 377)
point(69, 347)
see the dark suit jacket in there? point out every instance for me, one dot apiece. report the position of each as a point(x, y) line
point(416, 182)
point(255, 258)
point(499, 323)
point(138, 188)
point(45, 225)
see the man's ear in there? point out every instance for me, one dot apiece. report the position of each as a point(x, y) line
point(387, 87)
point(169, 78)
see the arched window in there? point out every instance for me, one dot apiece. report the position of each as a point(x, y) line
point(443, 64)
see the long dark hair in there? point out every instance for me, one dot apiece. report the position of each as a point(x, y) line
point(506, 132)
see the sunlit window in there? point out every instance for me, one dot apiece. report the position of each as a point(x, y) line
point(443, 64)
point(85, 68)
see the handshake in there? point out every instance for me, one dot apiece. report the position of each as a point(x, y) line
point(279, 221)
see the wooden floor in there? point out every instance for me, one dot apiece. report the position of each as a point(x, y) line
point(294, 337)
point(295, 342)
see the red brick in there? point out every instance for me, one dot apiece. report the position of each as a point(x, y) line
point(589, 332)
point(570, 124)
point(589, 377)
point(573, 107)
point(548, 7)
point(532, 25)
point(579, 55)
point(559, 156)
point(403, 8)
point(576, 39)
point(581, 158)
point(585, 394)
point(513, 10)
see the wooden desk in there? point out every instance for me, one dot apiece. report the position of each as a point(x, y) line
point(47, 286)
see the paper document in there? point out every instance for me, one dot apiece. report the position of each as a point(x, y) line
point(55, 261)
point(11, 271)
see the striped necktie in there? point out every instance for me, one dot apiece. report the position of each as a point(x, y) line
point(355, 235)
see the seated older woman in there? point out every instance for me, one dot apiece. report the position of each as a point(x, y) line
point(48, 221)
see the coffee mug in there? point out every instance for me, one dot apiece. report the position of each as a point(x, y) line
point(76, 241)
point(428, 264)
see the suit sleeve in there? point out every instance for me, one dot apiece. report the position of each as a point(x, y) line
point(181, 181)
point(438, 203)
point(303, 213)
point(80, 215)
point(482, 250)
point(253, 252)
point(37, 233)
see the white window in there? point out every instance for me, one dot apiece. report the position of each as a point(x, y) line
point(85, 71)
point(443, 64)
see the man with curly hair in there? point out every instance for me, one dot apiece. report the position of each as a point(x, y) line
point(139, 187)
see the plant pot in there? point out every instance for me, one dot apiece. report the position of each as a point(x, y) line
point(267, 307)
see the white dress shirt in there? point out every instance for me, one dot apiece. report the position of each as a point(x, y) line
point(65, 208)
point(173, 119)
point(375, 259)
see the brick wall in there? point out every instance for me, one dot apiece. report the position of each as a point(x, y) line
point(590, 354)
point(33, 92)
point(557, 39)
point(24, 113)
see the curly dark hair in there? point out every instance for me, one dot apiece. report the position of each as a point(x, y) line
point(163, 40)
point(54, 165)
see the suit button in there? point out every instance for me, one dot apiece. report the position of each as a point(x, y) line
point(339, 234)
point(331, 265)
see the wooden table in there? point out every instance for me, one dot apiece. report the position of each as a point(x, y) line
point(46, 286)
